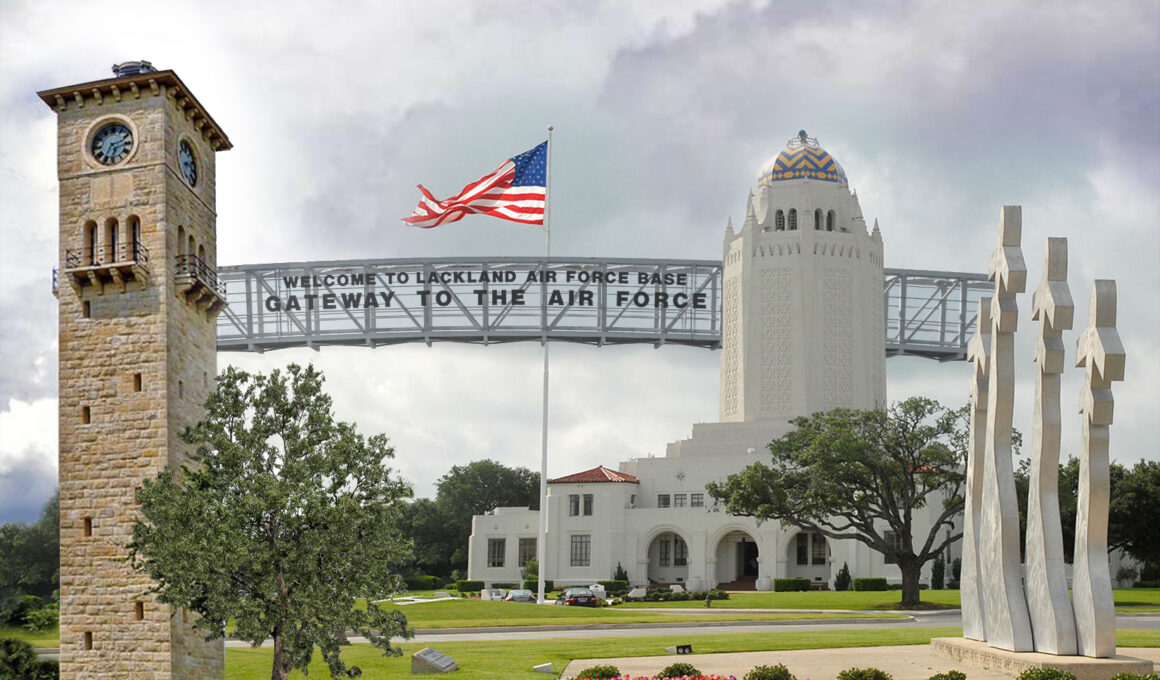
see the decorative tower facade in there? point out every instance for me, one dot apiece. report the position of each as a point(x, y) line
point(803, 318)
point(138, 300)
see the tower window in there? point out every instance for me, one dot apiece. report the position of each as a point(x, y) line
point(86, 415)
point(88, 640)
point(88, 527)
point(134, 224)
point(136, 382)
point(818, 219)
point(830, 221)
point(90, 247)
point(779, 221)
point(111, 253)
point(139, 611)
point(86, 309)
point(793, 219)
point(180, 389)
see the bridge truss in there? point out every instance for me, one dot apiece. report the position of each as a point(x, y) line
point(593, 301)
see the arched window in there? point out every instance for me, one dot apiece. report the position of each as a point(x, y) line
point(111, 239)
point(134, 238)
point(818, 219)
point(90, 243)
point(192, 249)
point(201, 254)
point(793, 219)
point(830, 221)
point(779, 221)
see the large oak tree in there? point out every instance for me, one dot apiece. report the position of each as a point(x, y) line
point(283, 522)
point(851, 474)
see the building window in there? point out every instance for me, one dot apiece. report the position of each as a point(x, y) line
point(88, 641)
point(779, 221)
point(86, 309)
point(139, 611)
point(894, 540)
point(679, 500)
point(86, 415)
point(587, 504)
point(803, 549)
point(819, 551)
point(581, 553)
point(527, 550)
point(573, 504)
point(830, 221)
point(680, 552)
point(136, 382)
point(90, 246)
point(495, 551)
point(793, 219)
point(666, 551)
point(88, 527)
point(818, 219)
point(697, 500)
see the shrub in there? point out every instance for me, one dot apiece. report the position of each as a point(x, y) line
point(843, 581)
point(614, 585)
point(864, 673)
point(600, 673)
point(18, 660)
point(505, 586)
point(938, 572)
point(949, 675)
point(44, 618)
point(778, 672)
point(1046, 674)
point(957, 570)
point(14, 608)
point(534, 585)
point(423, 582)
point(870, 584)
point(1147, 584)
point(620, 574)
point(678, 670)
point(1134, 676)
point(469, 586)
point(785, 585)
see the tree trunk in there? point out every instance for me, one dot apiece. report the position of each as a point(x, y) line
point(279, 670)
point(911, 571)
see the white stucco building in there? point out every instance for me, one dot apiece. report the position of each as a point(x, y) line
point(802, 332)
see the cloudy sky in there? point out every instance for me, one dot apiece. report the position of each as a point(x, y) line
point(664, 114)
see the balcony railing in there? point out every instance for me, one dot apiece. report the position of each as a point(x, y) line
point(120, 263)
point(199, 282)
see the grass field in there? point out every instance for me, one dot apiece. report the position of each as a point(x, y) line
point(514, 659)
point(43, 638)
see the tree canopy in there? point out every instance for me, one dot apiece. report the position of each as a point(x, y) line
point(441, 528)
point(285, 518)
point(30, 554)
point(862, 475)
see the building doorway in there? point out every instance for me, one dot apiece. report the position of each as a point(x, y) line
point(737, 561)
point(668, 560)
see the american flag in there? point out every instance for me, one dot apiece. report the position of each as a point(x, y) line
point(515, 191)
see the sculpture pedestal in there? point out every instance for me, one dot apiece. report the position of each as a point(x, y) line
point(982, 655)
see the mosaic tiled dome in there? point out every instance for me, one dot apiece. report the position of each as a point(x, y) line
point(802, 158)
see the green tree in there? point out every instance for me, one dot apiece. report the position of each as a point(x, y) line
point(284, 520)
point(30, 554)
point(861, 475)
point(441, 529)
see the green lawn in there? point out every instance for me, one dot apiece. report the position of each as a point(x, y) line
point(821, 599)
point(43, 638)
point(480, 613)
point(515, 658)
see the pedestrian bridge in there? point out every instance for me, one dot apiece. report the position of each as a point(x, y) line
point(595, 301)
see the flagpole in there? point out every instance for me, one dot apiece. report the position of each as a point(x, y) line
point(542, 542)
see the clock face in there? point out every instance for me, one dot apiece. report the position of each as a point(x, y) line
point(112, 143)
point(188, 163)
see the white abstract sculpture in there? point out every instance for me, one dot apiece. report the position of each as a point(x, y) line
point(979, 354)
point(1052, 621)
point(1101, 353)
point(1005, 616)
point(994, 604)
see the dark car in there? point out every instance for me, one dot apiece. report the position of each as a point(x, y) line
point(577, 597)
point(520, 596)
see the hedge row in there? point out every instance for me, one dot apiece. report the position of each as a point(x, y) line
point(534, 585)
point(789, 585)
point(666, 595)
point(870, 584)
point(469, 586)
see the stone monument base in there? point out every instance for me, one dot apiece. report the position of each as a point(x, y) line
point(982, 655)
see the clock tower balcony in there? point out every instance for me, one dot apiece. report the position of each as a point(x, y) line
point(118, 264)
point(198, 282)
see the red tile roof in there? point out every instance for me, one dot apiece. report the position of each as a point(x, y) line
point(595, 476)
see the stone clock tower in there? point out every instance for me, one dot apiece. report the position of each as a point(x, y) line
point(138, 300)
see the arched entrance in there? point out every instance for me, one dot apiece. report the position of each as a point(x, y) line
point(737, 558)
point(668, 559)
point(807, 555)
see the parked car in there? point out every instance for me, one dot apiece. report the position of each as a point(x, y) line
point(577, 597)
point(520, 596)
